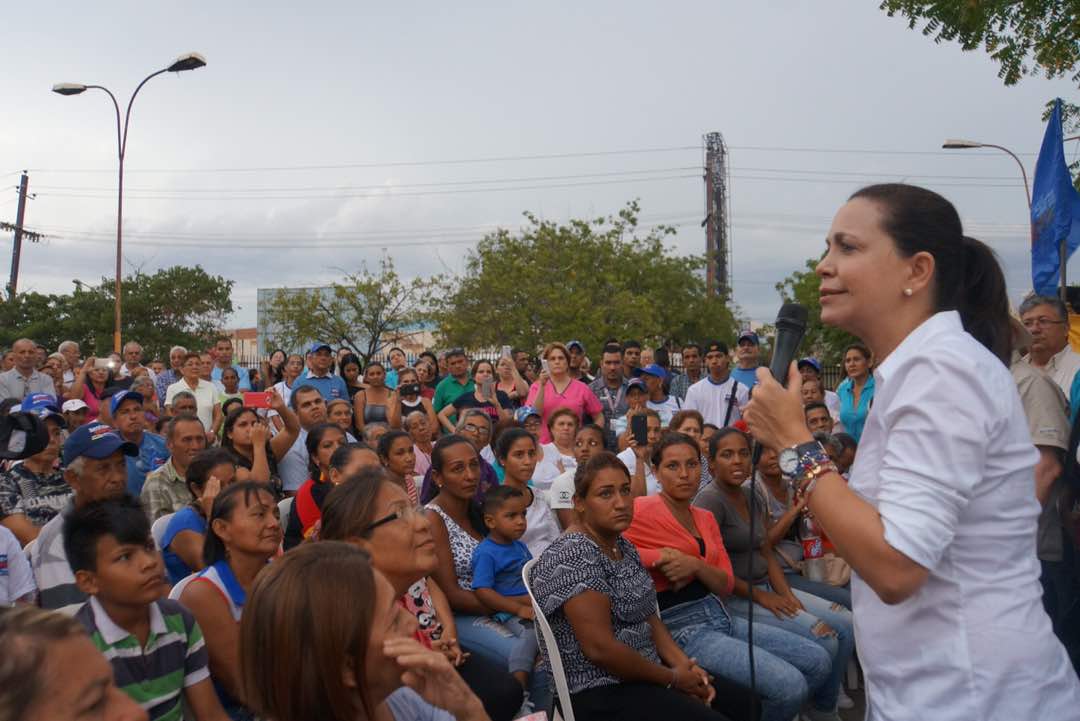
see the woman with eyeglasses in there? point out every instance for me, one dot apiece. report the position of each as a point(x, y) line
point(369, 510)
point(458, 528)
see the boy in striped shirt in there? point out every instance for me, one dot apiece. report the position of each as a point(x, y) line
point(155, 647)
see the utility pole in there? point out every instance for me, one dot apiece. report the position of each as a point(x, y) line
point(717, 217)
point(17, 247)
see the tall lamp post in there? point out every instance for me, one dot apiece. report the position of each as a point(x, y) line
point(954, 144)
point(190, 61)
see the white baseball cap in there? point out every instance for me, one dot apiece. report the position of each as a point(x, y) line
point(73, 405)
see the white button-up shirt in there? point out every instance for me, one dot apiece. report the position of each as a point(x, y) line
point(1062, 367)
point(947, 460)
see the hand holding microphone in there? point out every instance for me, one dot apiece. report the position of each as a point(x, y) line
point(775, 413)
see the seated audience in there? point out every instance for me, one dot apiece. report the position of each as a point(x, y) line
point(557, 456)
point(33, 491)
point(765, 591)
point(154, 645)
point(636, 457)
point(360, 659)
point(588, 442)
point(242, 535)
point(166, 490)
point(182, 544)
point(619, 659)
point(397, 456)
point(321, 442)
point(517, 453)
point(691, 423)
point(370, 511)
point(682, 547)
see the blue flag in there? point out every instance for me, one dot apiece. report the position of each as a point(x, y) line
point(1055, 210)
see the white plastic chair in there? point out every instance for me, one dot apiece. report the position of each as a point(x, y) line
point(284, 508)
point(551, 649)
point(157, 530)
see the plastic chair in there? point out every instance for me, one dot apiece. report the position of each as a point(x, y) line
point(157, 530)
point(550, 648)
point(284, 507)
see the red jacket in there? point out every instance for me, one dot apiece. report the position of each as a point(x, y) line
point(654, 528)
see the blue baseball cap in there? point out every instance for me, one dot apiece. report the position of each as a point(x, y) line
point(121, 396)
point(636, 383)
point(652, 370)
point(750, 336)
point(318, 346)
point(43, 405)
point(521, 414)
point(812, 362)
point(579, 344)
point(96, 440)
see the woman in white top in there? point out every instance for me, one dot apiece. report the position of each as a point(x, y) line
point(939, 520)
point(636, 457)
point(558, 456)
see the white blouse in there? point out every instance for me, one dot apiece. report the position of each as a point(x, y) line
point(947, 460)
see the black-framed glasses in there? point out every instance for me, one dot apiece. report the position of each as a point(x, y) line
point(407, 512)
point(1041, 322)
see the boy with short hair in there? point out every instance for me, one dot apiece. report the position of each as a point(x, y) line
point(155, 647)
point(497, 582)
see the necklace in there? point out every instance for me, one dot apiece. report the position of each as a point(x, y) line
point(611, 551)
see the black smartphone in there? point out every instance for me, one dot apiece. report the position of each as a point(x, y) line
point(639, 426)
point(410, 389)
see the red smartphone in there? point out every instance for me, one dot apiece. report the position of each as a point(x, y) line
point(258, 399)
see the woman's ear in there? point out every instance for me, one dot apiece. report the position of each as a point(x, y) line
point(363, 543)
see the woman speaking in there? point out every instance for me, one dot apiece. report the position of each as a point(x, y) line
point(940, 516)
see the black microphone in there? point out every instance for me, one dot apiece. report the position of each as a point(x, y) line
point(790, 329)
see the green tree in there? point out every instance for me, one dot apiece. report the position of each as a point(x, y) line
point(173, 306)
point(586, 279)
point(1024, 38)
point(824, 342)
point(360, 312)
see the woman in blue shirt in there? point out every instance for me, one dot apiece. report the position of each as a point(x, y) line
point(857, 390)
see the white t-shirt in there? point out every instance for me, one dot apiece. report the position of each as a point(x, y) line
point(667, 408)
point(16, 578)
point(547, 470)
point(561, 493)
point(293, 468)
point(629, 458)
point(711, 400)
point(946, 459)
point(541, 525)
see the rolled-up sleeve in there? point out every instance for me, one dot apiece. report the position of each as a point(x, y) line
point(937, 433)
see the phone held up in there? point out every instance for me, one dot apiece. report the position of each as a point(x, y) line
point(258, 399)
point(639, 426)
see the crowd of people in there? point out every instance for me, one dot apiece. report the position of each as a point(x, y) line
point(322, 539)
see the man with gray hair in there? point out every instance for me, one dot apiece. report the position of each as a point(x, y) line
point(133, 356)
point(171, 374)
point(1047, 320)
point(70, 350)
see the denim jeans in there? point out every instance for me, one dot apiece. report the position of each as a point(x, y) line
point(838, 640)
point(787, 666)
point(836, 594)
point(494, 641)
point(523, 655)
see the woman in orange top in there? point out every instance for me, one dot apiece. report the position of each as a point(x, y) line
point(682, 547)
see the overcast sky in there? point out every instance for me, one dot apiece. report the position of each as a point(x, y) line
point(317, 137)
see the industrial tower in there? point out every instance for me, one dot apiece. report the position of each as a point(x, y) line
point(717, 217)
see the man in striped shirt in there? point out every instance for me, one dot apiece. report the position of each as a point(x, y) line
point(156, 648)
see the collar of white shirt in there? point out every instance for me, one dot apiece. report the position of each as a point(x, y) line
point(947, 322)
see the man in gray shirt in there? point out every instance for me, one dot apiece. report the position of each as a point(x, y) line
point(24, 378)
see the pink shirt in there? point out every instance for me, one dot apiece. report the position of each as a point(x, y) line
point(578, 397)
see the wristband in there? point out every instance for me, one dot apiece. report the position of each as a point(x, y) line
point(674, 677)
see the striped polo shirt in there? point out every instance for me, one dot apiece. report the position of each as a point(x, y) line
point(153, 676)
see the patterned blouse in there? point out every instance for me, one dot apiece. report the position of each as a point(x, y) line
point(39, 498)
point(462, 546)
point(574, 564)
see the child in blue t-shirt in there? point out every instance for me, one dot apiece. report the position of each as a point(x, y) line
point(497, 582)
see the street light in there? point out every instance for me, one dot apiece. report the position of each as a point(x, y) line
point(190, 61)
point(957, 144)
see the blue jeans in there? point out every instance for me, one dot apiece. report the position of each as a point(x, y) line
point(523, 655)
point(836, 594)
point(487, 637)
point(787, 666)
point(826, 623)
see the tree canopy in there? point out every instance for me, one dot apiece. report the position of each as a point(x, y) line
point(588, 280)
point(361, 312)
point(178, 305)
point(1024, 38)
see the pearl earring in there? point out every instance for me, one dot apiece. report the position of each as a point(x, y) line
point(907, 292)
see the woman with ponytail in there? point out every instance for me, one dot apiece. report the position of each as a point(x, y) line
point(939, 519)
